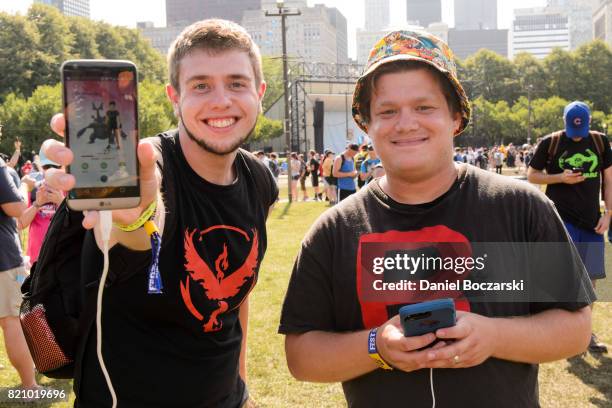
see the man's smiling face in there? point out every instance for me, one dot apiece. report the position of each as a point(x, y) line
point(411, 124)
point(219, 99)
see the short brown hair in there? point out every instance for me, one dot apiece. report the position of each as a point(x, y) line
point(452, 100)
point(214, 36)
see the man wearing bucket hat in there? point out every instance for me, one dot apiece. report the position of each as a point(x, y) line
point(411, 104)
point(573, 163)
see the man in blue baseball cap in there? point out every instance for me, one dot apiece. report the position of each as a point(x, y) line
point(573, 163)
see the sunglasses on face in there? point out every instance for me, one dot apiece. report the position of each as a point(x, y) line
point(50, 166)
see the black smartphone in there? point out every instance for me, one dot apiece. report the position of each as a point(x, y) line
point(576, 170)
point(101, 110)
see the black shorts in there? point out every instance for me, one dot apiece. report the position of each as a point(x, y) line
point(296, 177)
point(332, 181)
point(315, 180)
point(342, 194)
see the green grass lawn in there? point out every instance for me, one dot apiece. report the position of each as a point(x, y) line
point(581, 382)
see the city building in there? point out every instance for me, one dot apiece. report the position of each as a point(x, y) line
point(440, 30)
point(476, 14)
point(78, 8)
point(467, 42)
point(319, 34)
point(538, 31)
point(580, 18)
point(160, 37)
point(338, 21)
point(602, 21)
point(184, 12)
point(423, 12)
point(376, 14)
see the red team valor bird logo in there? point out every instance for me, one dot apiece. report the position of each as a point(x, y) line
point(220, 285)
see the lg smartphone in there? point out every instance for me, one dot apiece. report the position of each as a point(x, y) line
point(101, 110)
point(427, 317)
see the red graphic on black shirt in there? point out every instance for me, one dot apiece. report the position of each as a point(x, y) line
point(446, 241)
point(220, 285)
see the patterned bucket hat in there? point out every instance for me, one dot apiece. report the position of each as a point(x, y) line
point(412, 46)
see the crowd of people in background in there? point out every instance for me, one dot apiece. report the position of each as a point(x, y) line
point(332, 176)
point(359, 164)
point(494, 158)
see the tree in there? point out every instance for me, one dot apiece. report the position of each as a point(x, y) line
point(18, 55)
point(561, 70)
point(29, 118)
point(110, 43)
point(490, 75)
point(84, 44)
point(531, 72)
point(267, 129)
point(155, 112)
point(11, 112)
point(273, 75)
point(55, 40)
point(593, 67)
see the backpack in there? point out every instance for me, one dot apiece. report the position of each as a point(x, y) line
point(555, 137)
point(52, 314)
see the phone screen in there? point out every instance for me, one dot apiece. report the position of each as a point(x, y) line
point(100, 104)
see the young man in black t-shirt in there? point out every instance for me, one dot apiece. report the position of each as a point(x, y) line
point(411, 105)
point(574, 163)
point(313, 164)
point(185, 347)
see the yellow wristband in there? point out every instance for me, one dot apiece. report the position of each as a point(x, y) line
point(144, 217)
point(373, 351)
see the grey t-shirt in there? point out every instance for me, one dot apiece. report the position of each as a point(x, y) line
point(10, 247)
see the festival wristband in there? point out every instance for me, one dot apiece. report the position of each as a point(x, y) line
point(373, 351)
point(144, 217)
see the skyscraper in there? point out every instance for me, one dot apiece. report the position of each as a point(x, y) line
point(69, 7)
point(424, 12)
point(185, 12)
point(475, 14)
point(317, 35)
point(537, 31)
point(376, 14)
point(602, 21)
point(580, 18)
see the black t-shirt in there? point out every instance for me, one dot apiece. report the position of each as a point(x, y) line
point(112, 119)
point(181, 348)
point(324, 292)
point(314, 167)
point(577, 204)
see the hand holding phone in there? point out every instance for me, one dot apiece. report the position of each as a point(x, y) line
point(101, 129)
point(427, 317)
